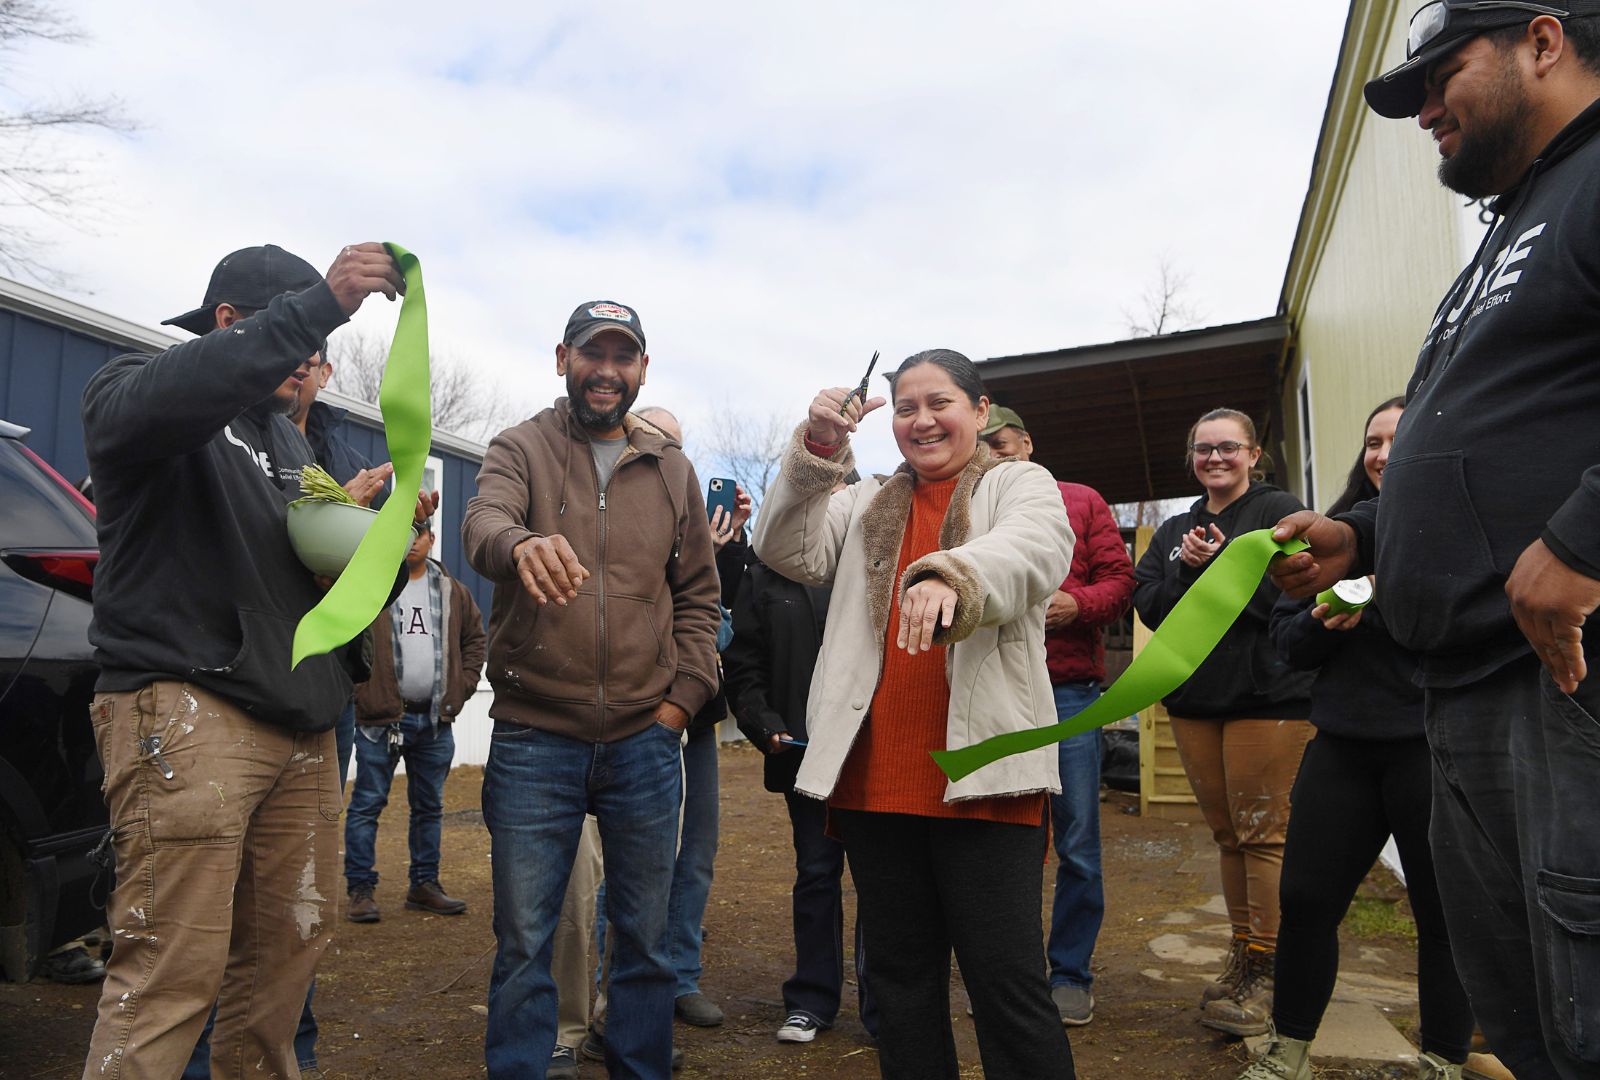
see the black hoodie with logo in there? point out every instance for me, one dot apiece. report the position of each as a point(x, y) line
point(1500, 441)
point(192, 474)
point(1243, 676)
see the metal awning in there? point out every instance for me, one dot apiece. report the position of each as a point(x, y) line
point(1115, 416)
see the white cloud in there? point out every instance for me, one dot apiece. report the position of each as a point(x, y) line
point(780, 190)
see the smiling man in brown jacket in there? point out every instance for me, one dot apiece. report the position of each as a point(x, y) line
point(602, 645)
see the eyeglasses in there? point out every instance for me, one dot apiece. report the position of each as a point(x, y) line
point(1432, 20)
point(1227, 450)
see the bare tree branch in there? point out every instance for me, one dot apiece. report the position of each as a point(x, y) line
point(37, 177)
point(1151, 512)
point(748, 448)
point(464, 402)
point(1163, 308)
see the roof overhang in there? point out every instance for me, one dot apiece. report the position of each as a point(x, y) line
point(1114, 416)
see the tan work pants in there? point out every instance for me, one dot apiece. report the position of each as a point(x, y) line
point(1242, 772)
point(227, 883)
point(569, 954)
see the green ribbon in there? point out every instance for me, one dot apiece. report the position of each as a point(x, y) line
point(1187, 636)
point(359, 593)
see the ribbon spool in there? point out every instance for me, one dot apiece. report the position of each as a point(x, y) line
point(1347, 596)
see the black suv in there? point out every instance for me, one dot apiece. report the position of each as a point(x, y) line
point(51, 810)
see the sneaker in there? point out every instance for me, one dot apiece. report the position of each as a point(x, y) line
point(1248, 1010)
point(1074, 1003)
point(563, 1064)
point(362, 907)
point(312, 1073)
point(1431, 1066)
point(594, 1049)
point(799, 1028)
point(1232, 972)
point(697, 1009)
point(430, 897)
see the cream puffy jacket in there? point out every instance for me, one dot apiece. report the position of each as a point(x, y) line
point(1006, 547)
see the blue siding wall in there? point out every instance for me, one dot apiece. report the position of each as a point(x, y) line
point(44, 368)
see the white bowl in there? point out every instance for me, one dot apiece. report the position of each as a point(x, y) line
point(325, 535)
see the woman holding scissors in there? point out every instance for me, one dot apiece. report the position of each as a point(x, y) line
point(934, 640)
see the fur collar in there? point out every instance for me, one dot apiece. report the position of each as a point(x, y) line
point(883, 528)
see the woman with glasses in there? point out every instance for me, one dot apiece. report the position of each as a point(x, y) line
point(1240, 720)
point(1366, 775)
point(934, 640)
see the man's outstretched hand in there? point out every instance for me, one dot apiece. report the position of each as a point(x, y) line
point(1551, 601)
point(1329, 559)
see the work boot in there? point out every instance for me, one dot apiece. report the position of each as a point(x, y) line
point(1248, 1010)
point(1431, 1066)
point(697, 1009)
point(362, 907)
point(429, 896)
point(1282, 1059)
point(1232, 972)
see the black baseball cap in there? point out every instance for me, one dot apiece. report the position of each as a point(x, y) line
point(1441, 27)
point(249, 278)
point(596, 316)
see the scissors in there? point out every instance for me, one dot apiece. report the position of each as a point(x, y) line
point(863, 388)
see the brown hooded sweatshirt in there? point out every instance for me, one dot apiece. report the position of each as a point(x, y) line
point(643, 627)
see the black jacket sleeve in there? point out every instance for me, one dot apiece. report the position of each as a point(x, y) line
point(146, 408)
point(1303, 642)
point(744, 669)
point(730, 567)
point(1159, 582)
point(1363, 518)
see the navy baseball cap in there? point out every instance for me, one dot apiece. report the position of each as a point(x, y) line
point(1441, 27)
point(249, 278)
point(597, 316)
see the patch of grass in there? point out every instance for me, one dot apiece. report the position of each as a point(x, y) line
point(1369, 917)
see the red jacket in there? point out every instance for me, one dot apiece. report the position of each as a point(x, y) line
point(1101, 581)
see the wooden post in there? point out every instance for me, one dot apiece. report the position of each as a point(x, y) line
point(1164, 789)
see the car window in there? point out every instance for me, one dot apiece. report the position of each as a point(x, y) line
point(39, 512)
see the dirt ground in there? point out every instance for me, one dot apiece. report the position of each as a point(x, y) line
point(404, 998)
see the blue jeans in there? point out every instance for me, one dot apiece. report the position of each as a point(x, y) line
point(1080, 900)
point(818, 900)
point(427, 754)
point(691, 877)
point(536, 788)
point(305, 1036)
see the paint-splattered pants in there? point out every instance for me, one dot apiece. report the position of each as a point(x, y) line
point(1242, 772)
point(227, 882)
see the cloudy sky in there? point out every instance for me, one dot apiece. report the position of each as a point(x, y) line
point(779, 190)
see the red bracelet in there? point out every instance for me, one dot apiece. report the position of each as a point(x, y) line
point(821, 450)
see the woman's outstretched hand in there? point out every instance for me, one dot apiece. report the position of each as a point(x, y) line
point(929, 606)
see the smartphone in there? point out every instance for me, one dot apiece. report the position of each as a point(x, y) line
point(720, 492)
point(791, 744)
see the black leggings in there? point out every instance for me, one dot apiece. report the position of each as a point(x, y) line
point(926, 886)
point(1350, 796)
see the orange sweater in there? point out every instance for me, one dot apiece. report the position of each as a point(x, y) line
point(889, 769)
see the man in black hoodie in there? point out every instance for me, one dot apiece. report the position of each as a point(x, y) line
point(1487, 550)
point(219, 759)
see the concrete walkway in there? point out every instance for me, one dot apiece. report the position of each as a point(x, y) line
point(1356, 1036)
